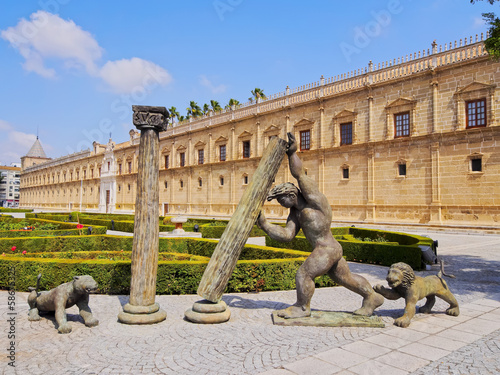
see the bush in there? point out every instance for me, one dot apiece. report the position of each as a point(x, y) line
point(65, 229)
point(61, 258)
point(399, 247)
point(8, 209)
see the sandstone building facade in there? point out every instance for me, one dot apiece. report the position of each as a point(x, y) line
point(414, 140)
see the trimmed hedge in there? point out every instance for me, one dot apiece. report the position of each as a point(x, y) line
point(66, 229)
point(270, 267)
point(7, 209)
point(274, 271)
point(107, 255)
point(174, 277)
point(399, 248)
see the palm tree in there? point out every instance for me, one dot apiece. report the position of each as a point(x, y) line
point(173, 114)
point(232, 102)
point(194, 109)
point(256, 94)
point(206, 108)
point(181, 118)
point(215, 106)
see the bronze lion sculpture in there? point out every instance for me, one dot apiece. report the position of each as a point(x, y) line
point(404, 283)
point(75, 292)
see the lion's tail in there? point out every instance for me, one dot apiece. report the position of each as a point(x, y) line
point(37, 285)
point(441, 272)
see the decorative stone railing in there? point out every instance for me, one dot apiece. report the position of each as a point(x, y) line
point(58, 161)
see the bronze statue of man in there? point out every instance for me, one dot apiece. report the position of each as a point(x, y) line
point(311, 212)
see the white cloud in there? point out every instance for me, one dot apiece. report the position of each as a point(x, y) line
point(14, 144)
point(47, 35)
point(128, 75)
point(204, 81)
point(479, 23)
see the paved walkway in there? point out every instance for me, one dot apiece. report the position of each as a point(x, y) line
point(250, 344)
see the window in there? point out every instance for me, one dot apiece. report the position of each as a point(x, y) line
point(246, 149)
point(201, 156)
point(476, 113)
point(128, 187)
point(222, 156)
point(84, 175)
point(245, 180)
point(200, 182)
point(476, 164)
point(402, 124)
point(91, 174)
point(305, 140)
point(166, 184)
point(109, 166)
point(167, 161)
point(402, 169)
point(119, 169)
point(182, 157)
point(119, 188)
point(221, 181)
point(181, 183)
point(345, 173)
point(129, 167)
point(346, 133)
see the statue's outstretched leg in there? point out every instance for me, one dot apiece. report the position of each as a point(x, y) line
point(317, 264)
point(341, 274)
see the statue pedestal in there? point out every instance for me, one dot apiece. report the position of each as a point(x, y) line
point(330, 319)
point(207, 312)
point(142, 314)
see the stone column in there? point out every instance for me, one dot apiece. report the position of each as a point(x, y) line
point(142, 308)
point(370, 205)
point(435, 207)
point(370, 119)
point(434, 85)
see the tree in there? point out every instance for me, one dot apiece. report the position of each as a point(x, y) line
point(206, 108)
point(215, 106)
point(492, 44)
point(173, 114)
point(256, 94)
point(232, 102)
point(193, 110)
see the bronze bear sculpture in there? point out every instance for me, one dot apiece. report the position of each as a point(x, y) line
point(75, 292)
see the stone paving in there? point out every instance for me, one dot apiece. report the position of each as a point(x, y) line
point(250, 344)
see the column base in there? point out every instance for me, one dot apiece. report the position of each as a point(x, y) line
point(132, 314)
point(207, 312)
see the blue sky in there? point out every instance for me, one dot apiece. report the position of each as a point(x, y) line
point(73, 68)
